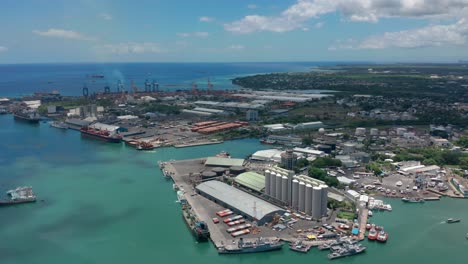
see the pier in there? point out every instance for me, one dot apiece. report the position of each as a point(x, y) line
point(363, 216)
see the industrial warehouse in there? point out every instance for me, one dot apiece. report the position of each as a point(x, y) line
point(239, 202)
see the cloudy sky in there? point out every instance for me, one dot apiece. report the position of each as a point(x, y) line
point(225, 30)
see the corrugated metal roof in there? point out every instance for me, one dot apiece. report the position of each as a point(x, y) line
point(223, 162)
point(251, 180)
point(238, 199)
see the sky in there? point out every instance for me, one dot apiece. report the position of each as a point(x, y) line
point(224, 30)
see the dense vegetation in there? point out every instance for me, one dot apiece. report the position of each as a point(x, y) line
point(433, 156)
point(320, 174)
point(324, 162)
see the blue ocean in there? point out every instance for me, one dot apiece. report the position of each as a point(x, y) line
point(68, 79)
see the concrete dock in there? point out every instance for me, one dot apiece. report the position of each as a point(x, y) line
point(363, 216)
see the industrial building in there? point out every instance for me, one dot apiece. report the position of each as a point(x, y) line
point(251, 180)
point(242, 203)
point(288, 159)
point(268, 155)
point(251, 115)
point(301, 192)
point(308, 125)
point(223, 162)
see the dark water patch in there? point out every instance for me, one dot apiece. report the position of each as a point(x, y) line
point(86, 219)
point(126, 181)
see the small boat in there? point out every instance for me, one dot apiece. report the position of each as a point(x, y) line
point(370, 213)
point(60, 125)
point(466, 235)
point(372, 234)
point(368, 226)
point(451, 221)
point(383, 236)
point(299, 246)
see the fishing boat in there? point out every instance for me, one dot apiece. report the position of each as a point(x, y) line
point(451, 221)
point(299, 246)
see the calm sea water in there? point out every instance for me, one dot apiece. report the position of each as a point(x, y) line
point(105, 203)
point(24, 79)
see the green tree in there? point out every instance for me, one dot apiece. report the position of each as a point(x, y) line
point(463, 142)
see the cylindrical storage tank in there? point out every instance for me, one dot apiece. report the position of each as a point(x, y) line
point(219, 171)
point(208, 174)
point(316, 202)
point(324, 199)
point(374, 131)
point(273, 184)
point(267, 182)
point(278, 186)
point(236, 170)
point(284, 189)
point(295, 194)
point(308, 199)
point(301, 197)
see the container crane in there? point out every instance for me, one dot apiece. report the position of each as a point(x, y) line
point(134, 87)
point(85, 91)
point(210, 85)
point(155, 86)
point(120, 87)
point(147, 86)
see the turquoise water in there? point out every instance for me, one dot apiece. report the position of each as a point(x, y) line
point(105, 203)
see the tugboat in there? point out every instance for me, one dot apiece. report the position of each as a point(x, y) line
point(348, 250)
point(382, 237)
point(145, 146)
point(372, 234)
point(259, 245)
point(412, 200)
point(18, 196)
point(299, 246)
point(199, 228)
point(451, 221)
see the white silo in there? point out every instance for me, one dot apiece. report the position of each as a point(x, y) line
point(272, 184)
point(284, 189)
point(278, 186)
point(301, 197)
point(317, 202)
point(295, 194)
point(267, 182)
point(308, 199)
point(324, 199)
point(360, 131)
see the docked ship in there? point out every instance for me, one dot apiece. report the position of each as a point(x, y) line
point(199, 228)
point(299, 246)
point(27, 116)
point(60, 125)
point(145, 146)
point(383, 236)
point(372, 234)
point(3, 111)
point(259, 245)
point(348, 250)
point(18, 196)
point(101, 135)
point(412, 200)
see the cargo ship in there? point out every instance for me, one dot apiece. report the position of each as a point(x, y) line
point(259, 245)
point(101, 135)
point(18, 196)
point(198, 228)
point(27, 116)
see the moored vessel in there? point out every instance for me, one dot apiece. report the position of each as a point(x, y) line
point(258, 245)
point(299, 246)
point(347, 250)
point(412, 200)
point(101, 135)
point(198, 228)
point(29, 116)
point(382, 237)
point(60, 125)
point(372, 234)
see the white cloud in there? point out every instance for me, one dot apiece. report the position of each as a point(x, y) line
point(3, 48)
point(62, 33)
point(105, 16)
point(236, 47)
point(429, 36)
point(252, 6)
point(193, 34)
point(206, 19)
point(130, 48)
point(353, 10)
point(319, 25)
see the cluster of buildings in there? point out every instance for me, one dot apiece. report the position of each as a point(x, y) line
point(290, 127)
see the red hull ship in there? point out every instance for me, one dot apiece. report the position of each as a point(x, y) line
point(101, 135)
point(372, 234)
point(382, 237)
